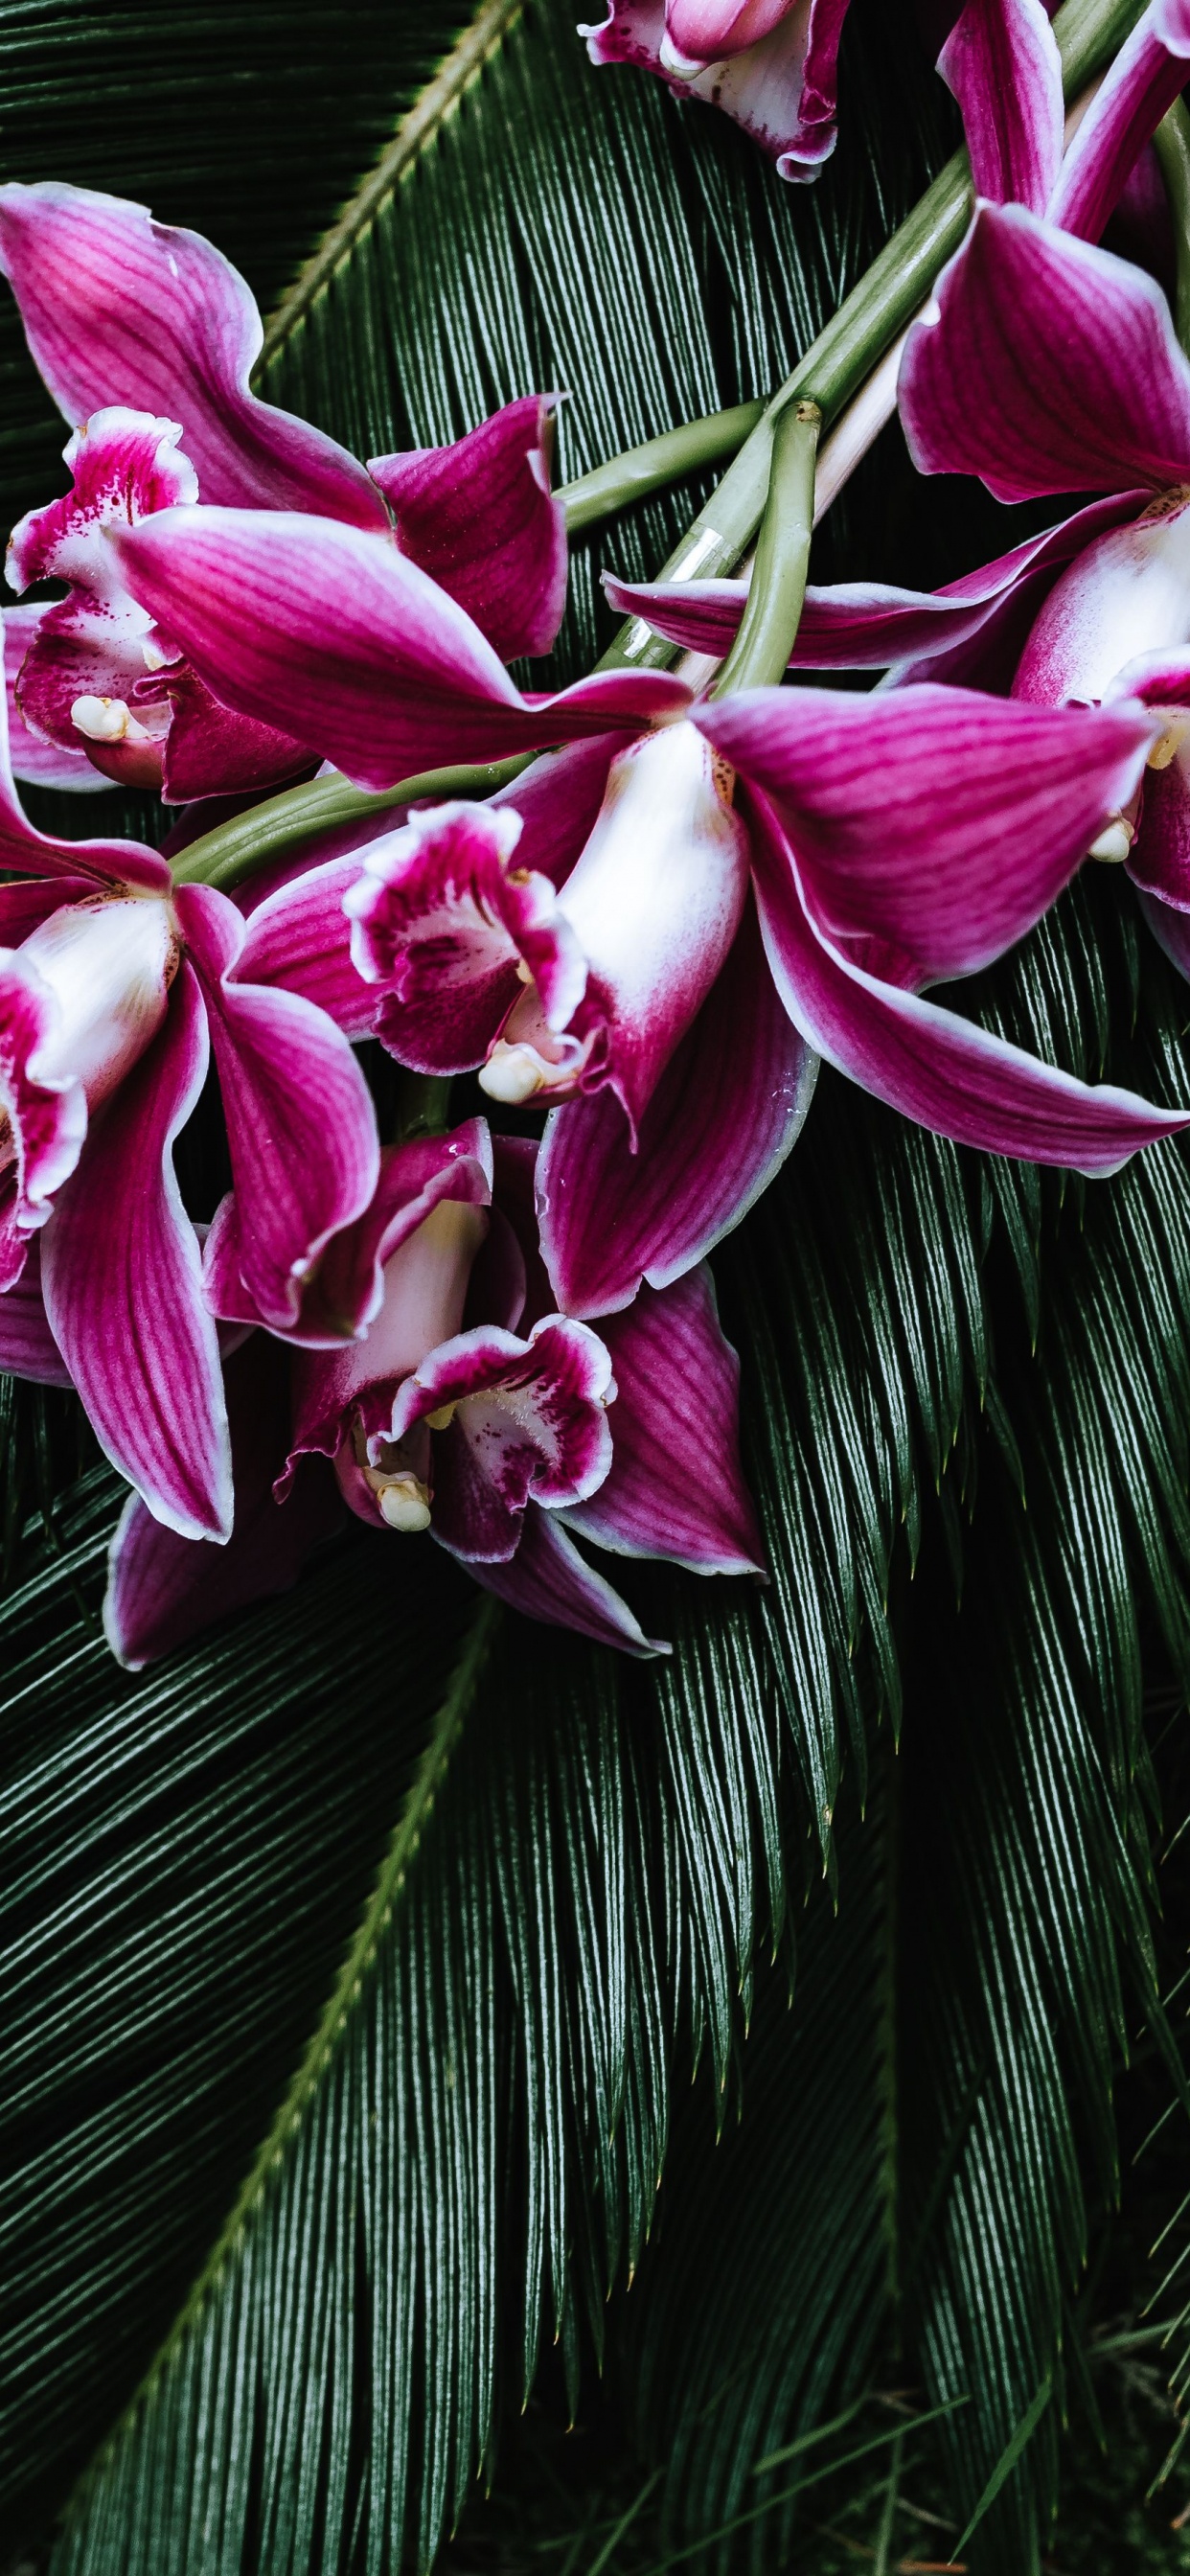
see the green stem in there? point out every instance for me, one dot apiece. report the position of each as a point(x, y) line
point(1089, 32)
point(239, 849)
point(660, 462)
point(772, 613)
point(423, 1105)
point(1172, 143)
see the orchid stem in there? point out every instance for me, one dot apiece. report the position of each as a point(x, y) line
point(773, 610)
point(239, 849)
point(713, 440)
point(423, 1105)
point(1089, 33)
point(1172, 144)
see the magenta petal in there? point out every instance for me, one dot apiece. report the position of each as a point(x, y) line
point(27, 1346)
point(40, 854)
point(727, 1111)
point(163, 1589)
point(557, 800)
point(118, 309)
point(1003, 64)
point(529, 1422)
point(123, 1288)
point(442, 914)
point(676, 1486)
point(1170, 926)
point(933, 1066)
point(343, 1292)
point(480, 517)
point(300, 938)
point(1053, 368)
point(1148, 73)
point(300, 1123)
point(209, 750)
point(780, 88)
point(364, 658)
point(43, 764)
point(1159, 860)
point(946, 880)
point(547, 1579)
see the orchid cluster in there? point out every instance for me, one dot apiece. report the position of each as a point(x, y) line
point(676, 896)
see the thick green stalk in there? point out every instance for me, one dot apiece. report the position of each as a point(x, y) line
point(772, 615)
point(653, 467)
point(1172, 141)
point(1089, 32)
point(239, 849)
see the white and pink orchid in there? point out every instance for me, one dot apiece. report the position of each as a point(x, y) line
point(115, 988)
point(665, 956)
point(468, 1409)
point(771, 65)
point(147, 336)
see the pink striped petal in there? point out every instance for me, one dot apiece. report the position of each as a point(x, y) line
point(547, 1579)
point(871, 625)
point(119, 309)
point(480, 518)
point(360, 654)
point(123, 1288)
point(676, 1486)
point(936, 823)
point(936, 1068)
point(27, 1346)
point(41, 854)
point(1003, 65)
point(209, 749)
point(44, 1112)
point(1053, 368)
point(42, 764)
point(1126, 596)
point(528, 1423)
point(653, 936)
point(343, 1291)
point(727, 1111)
point(1148, 73)
point(781, 88)
point(163, 1589)
point(300, 938)
point(442, 916)
point(300, 1124)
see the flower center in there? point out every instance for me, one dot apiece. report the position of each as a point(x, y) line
point(399, 1480)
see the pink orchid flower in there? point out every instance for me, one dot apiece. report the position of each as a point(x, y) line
point(1050, 366)
point(114, 989)
point(469, 1409)
point(146, 335)
point(771, 65)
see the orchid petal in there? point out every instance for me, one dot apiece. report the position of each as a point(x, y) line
point(654, 905)
point(441, 916)
point(117, 308)
point(1159, 860)
point(676, 1486)
point(27, 1346)
point(1003, 65)
point(1125, 597)
point(726, 1112)
point(41, 764)
point(529, 1423)
point(300, 938)
point(547, 1579)
point(300, 1123)
point(344, 1289)
point(370, 663)
point(123, 1288)
point(163, 1589)
point(44, 1120)
point(480, 518)
point(929, 1064)
point(780, 89)
point(41, 854)
point(1052, 367)
point(210, 749)
point(871, 625)
point(1148, 73)
point(1170, 928)
point(945, 880)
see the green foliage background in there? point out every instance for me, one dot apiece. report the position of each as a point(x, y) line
point(358, 1960)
